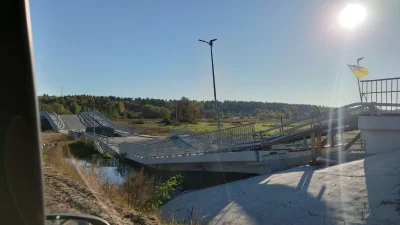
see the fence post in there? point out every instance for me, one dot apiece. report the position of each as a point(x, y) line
point(313, 155)
point(261, 137)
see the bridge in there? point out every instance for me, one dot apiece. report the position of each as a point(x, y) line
point(291, 143)
point(242, 149)
point(83, 120)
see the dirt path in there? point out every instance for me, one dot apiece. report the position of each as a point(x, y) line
point(65, 195)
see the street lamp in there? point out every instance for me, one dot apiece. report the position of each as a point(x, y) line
point(215, 92)
point(94, 131)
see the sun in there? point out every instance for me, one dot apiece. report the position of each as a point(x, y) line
point(352, 15)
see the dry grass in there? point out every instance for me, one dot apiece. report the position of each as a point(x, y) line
point(55, 158)
point(55, 137)
point(130, 198)
point(133, 193)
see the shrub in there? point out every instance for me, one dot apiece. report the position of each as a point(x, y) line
point(140, 121)
point(82, 149)
point(167, 122)
point(161, 192)
point(138, 189)
point(104, 155)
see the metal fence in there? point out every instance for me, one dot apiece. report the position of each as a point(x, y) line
point(54, 120)
point(384, 91)
point(99, 142)
point(238, 138)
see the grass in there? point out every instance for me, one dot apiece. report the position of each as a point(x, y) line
point(135, 194)
point(153, 127)
point(55, 138)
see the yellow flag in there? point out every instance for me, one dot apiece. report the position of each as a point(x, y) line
point(358, 71)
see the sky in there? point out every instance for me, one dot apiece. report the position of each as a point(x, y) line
point(270, 51)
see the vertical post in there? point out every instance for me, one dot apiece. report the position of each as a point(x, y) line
point(176, 111)
point(391, 96)
point(319, 147)
point(305, 146)
point(359, 89)
point(94, 131)
point(313, 154)
point(215, 94)
point(381, 92)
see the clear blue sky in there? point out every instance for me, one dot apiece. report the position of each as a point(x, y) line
point(284, 51)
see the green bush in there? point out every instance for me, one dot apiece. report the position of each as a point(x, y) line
point(167, 122)
point(161, 192)
point(104, 155)
point(82, 149)
point(140, 121)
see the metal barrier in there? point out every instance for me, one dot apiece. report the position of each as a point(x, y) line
point(101, 120)
point(99, 141)
point(231, 139)
point(244, 138)
point(384, 91)
point(54, 120)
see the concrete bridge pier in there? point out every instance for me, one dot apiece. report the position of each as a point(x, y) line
point(380, 133)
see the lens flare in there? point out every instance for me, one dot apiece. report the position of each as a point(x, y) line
point(352, 15)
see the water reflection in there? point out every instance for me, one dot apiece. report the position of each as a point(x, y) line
point(112, 170)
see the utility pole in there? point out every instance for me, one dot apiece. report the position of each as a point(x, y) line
point(94, 131)
point(215, 92)
point(176, 111)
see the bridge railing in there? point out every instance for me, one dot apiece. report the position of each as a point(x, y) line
point(231, 139)
point(54, 120)
point(334, 118)
point(244, 137)
point(116, 126)
point(382, 91)
point(98, 141)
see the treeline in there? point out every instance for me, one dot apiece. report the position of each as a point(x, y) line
point(185, 110)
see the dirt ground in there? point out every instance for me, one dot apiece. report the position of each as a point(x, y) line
point(63, 195)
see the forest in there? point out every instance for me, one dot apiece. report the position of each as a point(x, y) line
point(184, 109)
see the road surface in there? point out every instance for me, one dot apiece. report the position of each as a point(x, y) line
point(72, 122)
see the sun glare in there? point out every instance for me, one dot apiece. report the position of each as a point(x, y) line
point(352, 15)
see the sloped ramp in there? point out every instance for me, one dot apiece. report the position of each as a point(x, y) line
point(72, 122)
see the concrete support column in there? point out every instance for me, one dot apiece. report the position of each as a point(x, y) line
point(380, 133)
point(313, 152)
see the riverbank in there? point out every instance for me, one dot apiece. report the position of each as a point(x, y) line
point(63, 194)
point(75, 188)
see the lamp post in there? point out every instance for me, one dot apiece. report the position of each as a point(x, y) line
point(94, 131)
point(358, 81)
point(215, 92)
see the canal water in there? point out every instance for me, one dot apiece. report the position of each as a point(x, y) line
point(115, 170)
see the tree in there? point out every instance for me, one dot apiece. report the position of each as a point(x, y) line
point(150, 111)
point(111, 109)
point(75, 108)
point(121, 108)
point(165, 113)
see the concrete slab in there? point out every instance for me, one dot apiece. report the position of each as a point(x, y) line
point(72, 122)
point(136, 139)
point(350, 193)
